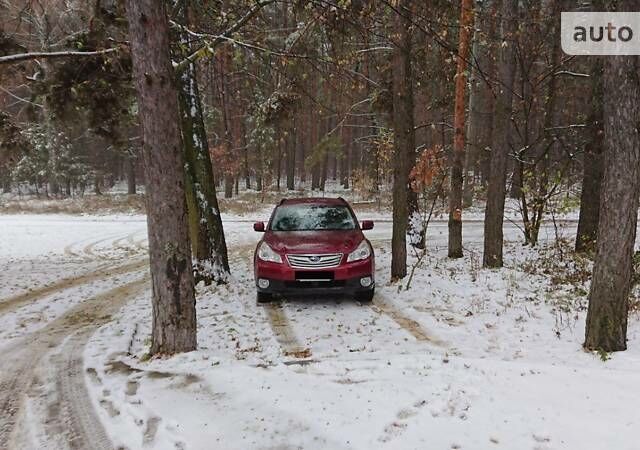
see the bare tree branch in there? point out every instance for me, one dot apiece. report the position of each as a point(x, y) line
point(10, 59)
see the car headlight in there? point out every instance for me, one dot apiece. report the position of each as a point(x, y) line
point(363, 251)
point(266, 253)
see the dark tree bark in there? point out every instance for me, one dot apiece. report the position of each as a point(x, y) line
point(493, 237)
point(404, 136)
point(301, 149)
point(324, 171)
point(245, 158)
point(455, 195)
point(131, 174)
point(228, 185)
point(97, 184)
point(593, 161)
point(480, 123)
point(347, 139)
point(315, 140)
point(173, 299)
point(5, 180)
point(291, 157)
point(278, 163)
point(606, 327)
point(229, 116)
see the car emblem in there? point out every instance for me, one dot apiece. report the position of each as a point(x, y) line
point(314, 258)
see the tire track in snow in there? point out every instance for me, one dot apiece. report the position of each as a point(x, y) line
point(87, 245)
point(276, 316)
point(16, 301)
point(118, 243)
point(82, 427)
point(408, 324)
point(90, 250)
point(283, 332)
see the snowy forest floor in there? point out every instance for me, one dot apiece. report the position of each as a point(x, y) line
point(465, 358)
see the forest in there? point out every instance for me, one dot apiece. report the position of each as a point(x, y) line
point(464, 118)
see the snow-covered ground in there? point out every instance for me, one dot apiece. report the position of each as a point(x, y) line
point(464, 358)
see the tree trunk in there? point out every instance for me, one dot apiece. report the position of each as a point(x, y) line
point(259, 170)
point(228, 118)
point(315, 139)
point(404, 135)
point(245, 158)
point(209, 243)
point(345, 154)
point(97, 184)
point(494, 212)
point(455, 196)
point(173, 299)
point(291, 157)
point(325, 169)
point(228, 185)
point(279, 143)
point(606, 327)
point(5, 181)
point(480, 123)
point(593, 166)
point(131, 174)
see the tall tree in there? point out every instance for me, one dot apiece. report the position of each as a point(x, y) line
point(455, 195)
point(606, 327)
point(494, 212)
point(593, 159)
point(207, 233)
point(173, 298)
point(592, 165)
point(404, 135)
point(480, 122)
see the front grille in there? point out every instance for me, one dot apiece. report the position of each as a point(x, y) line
point(315, 261)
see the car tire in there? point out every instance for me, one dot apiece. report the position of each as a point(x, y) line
point(365, 297)
point(264, 297)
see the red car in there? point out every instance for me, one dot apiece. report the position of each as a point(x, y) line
point(314, 246)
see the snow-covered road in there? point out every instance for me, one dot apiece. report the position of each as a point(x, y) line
point(465, 358)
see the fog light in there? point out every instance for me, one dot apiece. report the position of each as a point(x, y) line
point(263, 283)
point(366, 281)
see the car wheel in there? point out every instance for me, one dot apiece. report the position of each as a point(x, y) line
point(264, 297)
point(365, 297)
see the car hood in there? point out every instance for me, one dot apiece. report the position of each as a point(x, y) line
point(314, 241)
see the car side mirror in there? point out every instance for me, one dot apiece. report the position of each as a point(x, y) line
point(258, 226)
point(367, 225)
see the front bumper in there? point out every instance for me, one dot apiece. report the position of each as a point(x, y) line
point(347, 287)
point(343, 279)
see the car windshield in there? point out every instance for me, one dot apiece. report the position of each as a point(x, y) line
point(312, 218)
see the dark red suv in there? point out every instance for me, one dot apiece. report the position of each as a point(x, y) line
point(314, 246)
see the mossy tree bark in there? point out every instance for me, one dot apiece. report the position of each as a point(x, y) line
point(205, 225)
